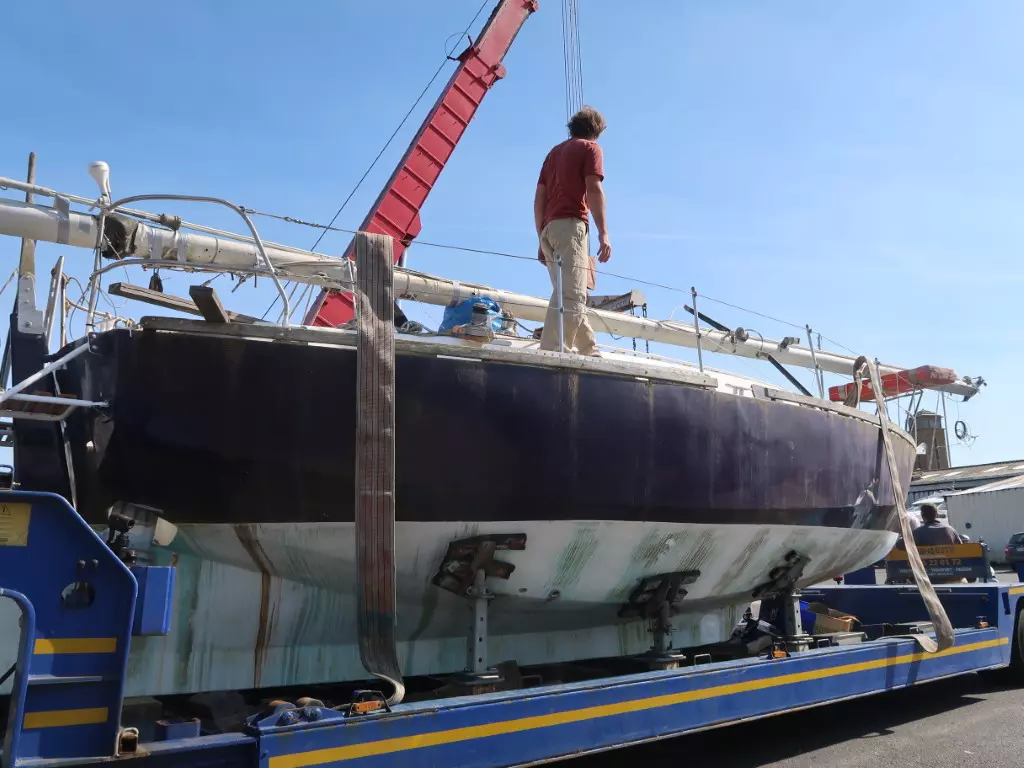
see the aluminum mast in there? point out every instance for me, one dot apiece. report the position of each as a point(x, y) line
point(138, 240)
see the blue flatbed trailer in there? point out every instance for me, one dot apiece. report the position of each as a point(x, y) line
point(69, 679)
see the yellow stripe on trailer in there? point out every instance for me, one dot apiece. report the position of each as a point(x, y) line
point(418, 741)
point(58, 718)
point(59, 645)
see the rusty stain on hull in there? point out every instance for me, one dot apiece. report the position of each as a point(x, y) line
point(185, 637)
point(249, 538)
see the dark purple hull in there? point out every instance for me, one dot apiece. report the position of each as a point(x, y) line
point(232, 430)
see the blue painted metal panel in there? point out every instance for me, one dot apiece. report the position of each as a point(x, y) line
point(223, 751)
point(173, 730)
point(861, 577)
point(513, 728)
point(84, 599)
point(155, 601)
point(965, 603)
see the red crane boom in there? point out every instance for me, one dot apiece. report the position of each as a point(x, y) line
point(397, 210)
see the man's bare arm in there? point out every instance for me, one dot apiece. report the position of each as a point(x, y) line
point(540, 199)
point(596, 203)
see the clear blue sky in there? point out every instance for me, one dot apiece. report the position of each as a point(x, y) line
point(854, 165)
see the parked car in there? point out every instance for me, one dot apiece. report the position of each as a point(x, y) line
point(1014, 551)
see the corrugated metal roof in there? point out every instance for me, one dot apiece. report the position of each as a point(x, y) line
point(999, 485)
point(971, 472)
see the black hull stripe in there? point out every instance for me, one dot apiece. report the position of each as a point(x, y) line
point(229, 430)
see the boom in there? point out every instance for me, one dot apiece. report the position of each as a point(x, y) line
point(397, 210)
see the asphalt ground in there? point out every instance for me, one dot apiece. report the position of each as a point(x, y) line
point(970, 720)
point(964, 721)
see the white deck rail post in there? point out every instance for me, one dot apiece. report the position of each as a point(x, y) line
point(818, 375)
point(696, 328)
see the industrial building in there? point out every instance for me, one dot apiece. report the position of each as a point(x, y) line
point(938, 482)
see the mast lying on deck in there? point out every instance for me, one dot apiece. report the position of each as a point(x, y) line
point(129, 238)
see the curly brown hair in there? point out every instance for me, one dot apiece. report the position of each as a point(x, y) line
point(587, 124)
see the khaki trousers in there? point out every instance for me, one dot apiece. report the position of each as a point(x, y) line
point(568, 238)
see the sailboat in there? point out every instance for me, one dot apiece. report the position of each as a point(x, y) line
point(616, 497)
point(231, 444)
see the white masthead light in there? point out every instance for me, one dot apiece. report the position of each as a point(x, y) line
point(100, 172)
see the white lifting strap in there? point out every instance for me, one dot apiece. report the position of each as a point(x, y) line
point(936, 612)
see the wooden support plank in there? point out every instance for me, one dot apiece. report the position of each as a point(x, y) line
point(156, 298)
point(167, 301)
point(209, 305)
point(377, 607)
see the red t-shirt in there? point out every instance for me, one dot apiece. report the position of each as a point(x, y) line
point(564, 176)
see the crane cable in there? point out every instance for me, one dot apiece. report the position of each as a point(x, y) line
point(391, 138)
point(405, 118)
point(573, 58)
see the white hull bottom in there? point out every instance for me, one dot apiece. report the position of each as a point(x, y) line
point(235, 627)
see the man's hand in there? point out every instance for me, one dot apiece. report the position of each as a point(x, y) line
point(540, 255)
point(604, 251)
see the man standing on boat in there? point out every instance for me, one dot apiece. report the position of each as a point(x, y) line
point(568, 191)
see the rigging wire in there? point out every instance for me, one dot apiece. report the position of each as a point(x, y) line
point(565, 61)
point(574, 97)
point(579, 51)
point(391, 138)
point(307, 295)
point(520, 257)
point(291, 296)
point(466, 249)
point(9, 280)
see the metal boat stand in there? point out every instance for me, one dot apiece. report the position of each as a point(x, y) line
point(656, 599)
point(780, 603)
point(464, 571)
point(477, 671)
